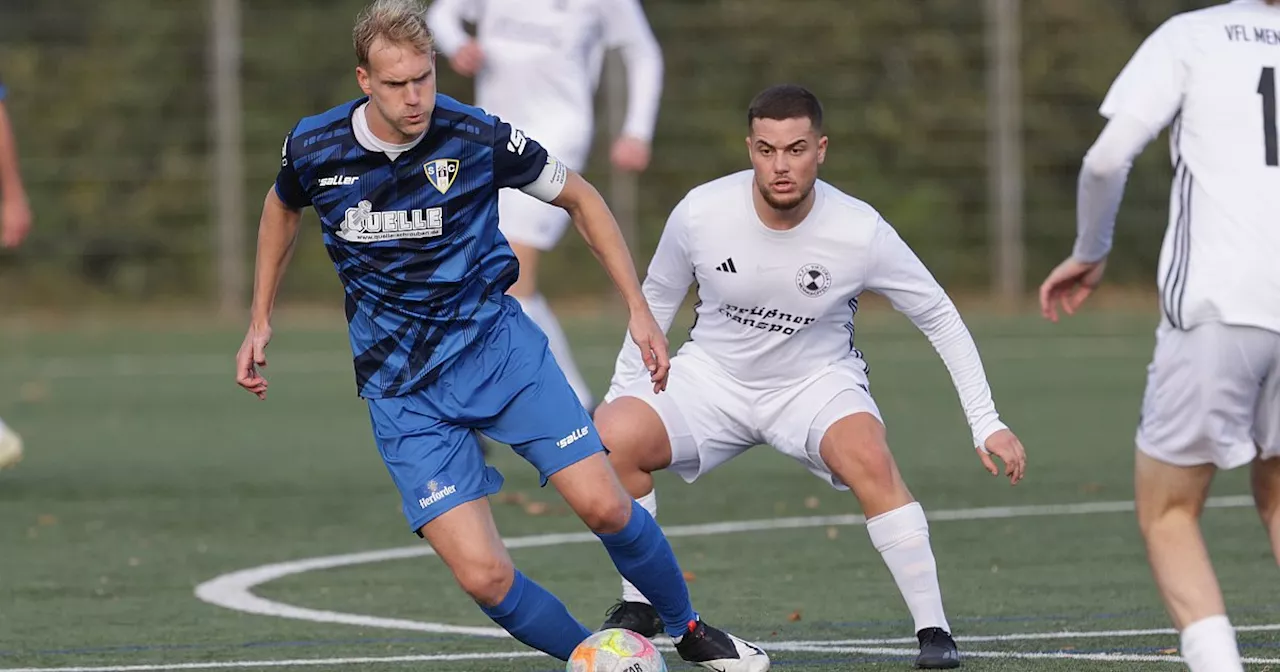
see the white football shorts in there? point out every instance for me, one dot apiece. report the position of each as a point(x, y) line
point(1212, 397)
point(712, 418)
point(528, 221)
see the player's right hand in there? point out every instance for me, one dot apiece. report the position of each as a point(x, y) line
point(15, 220)
point(1069, 284)
point(648, 336)
point(252, 356)
point(468, 60)
point(1004, 445)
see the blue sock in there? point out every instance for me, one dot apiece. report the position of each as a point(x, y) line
point(537, 618)
point(644, 557)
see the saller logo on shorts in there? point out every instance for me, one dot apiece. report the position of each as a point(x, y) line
point(577, 434)
point(437, 493)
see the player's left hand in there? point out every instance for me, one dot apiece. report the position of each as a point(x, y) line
point(15, 220)
point(630, 154)
point(1004, 445)
point(1070, 284)
point(652, 342)
point(251, 357)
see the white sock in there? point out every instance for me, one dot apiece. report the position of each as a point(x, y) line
point(629, 592)
point(537, 309)
point(902, 537)
point(1209, 645)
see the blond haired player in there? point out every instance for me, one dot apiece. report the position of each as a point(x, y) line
point(536, 64)
point(1213, 387)
point(780, 259)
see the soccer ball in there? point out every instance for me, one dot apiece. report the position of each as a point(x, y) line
point(616, 650)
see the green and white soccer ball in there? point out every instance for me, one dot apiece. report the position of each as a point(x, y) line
point(616, 650)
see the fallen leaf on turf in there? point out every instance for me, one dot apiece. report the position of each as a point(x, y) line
point(833, 532)
point(793, 616)
point(47, 519)
point(512, 498)
point(811, 502)
point(535, 508)
point(34, 391)
point(690, 577)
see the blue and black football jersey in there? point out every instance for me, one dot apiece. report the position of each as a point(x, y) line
point(415, 241)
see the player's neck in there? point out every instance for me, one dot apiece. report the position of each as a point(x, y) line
point(384, 131)
point(782, 220)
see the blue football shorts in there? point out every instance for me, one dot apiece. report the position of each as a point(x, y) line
point(507, 386)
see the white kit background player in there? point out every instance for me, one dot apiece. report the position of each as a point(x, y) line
point(1213, 386)
point(536, 65)
point(779, 259)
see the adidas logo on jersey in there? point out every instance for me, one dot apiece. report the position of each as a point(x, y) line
point(727, 266)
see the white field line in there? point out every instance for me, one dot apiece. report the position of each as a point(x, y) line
point(513, 655)
point(235, 590)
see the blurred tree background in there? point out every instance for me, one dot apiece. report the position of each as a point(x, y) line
point(111, 102)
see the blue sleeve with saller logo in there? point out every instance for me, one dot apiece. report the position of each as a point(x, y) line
point(518, 159)
point(288, 186)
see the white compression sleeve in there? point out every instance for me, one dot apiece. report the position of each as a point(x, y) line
point(899, 275)
point(1101, 186)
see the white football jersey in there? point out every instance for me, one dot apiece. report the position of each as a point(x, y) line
point(1214, 75)
point(776, 307)
point(542, 61)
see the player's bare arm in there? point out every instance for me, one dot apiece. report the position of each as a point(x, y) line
point(15, 214)
point(277, 236)
point(598, 227)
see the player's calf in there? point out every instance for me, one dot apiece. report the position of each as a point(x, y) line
point(1266, 496)
point(1169, 499)
point(855, 450)
point(467, 541)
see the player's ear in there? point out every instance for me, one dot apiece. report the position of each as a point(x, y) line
point(822, 149)
point(362, 78)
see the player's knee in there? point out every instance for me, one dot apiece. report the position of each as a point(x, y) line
point(1168, 516)
point(607, 515)
point(856, 446)
point(487, 581)
point(634, 435)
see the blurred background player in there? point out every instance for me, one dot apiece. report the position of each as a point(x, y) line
point(779, 259)
point(15, 221)
point(536, 64)
point(1213, 386)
